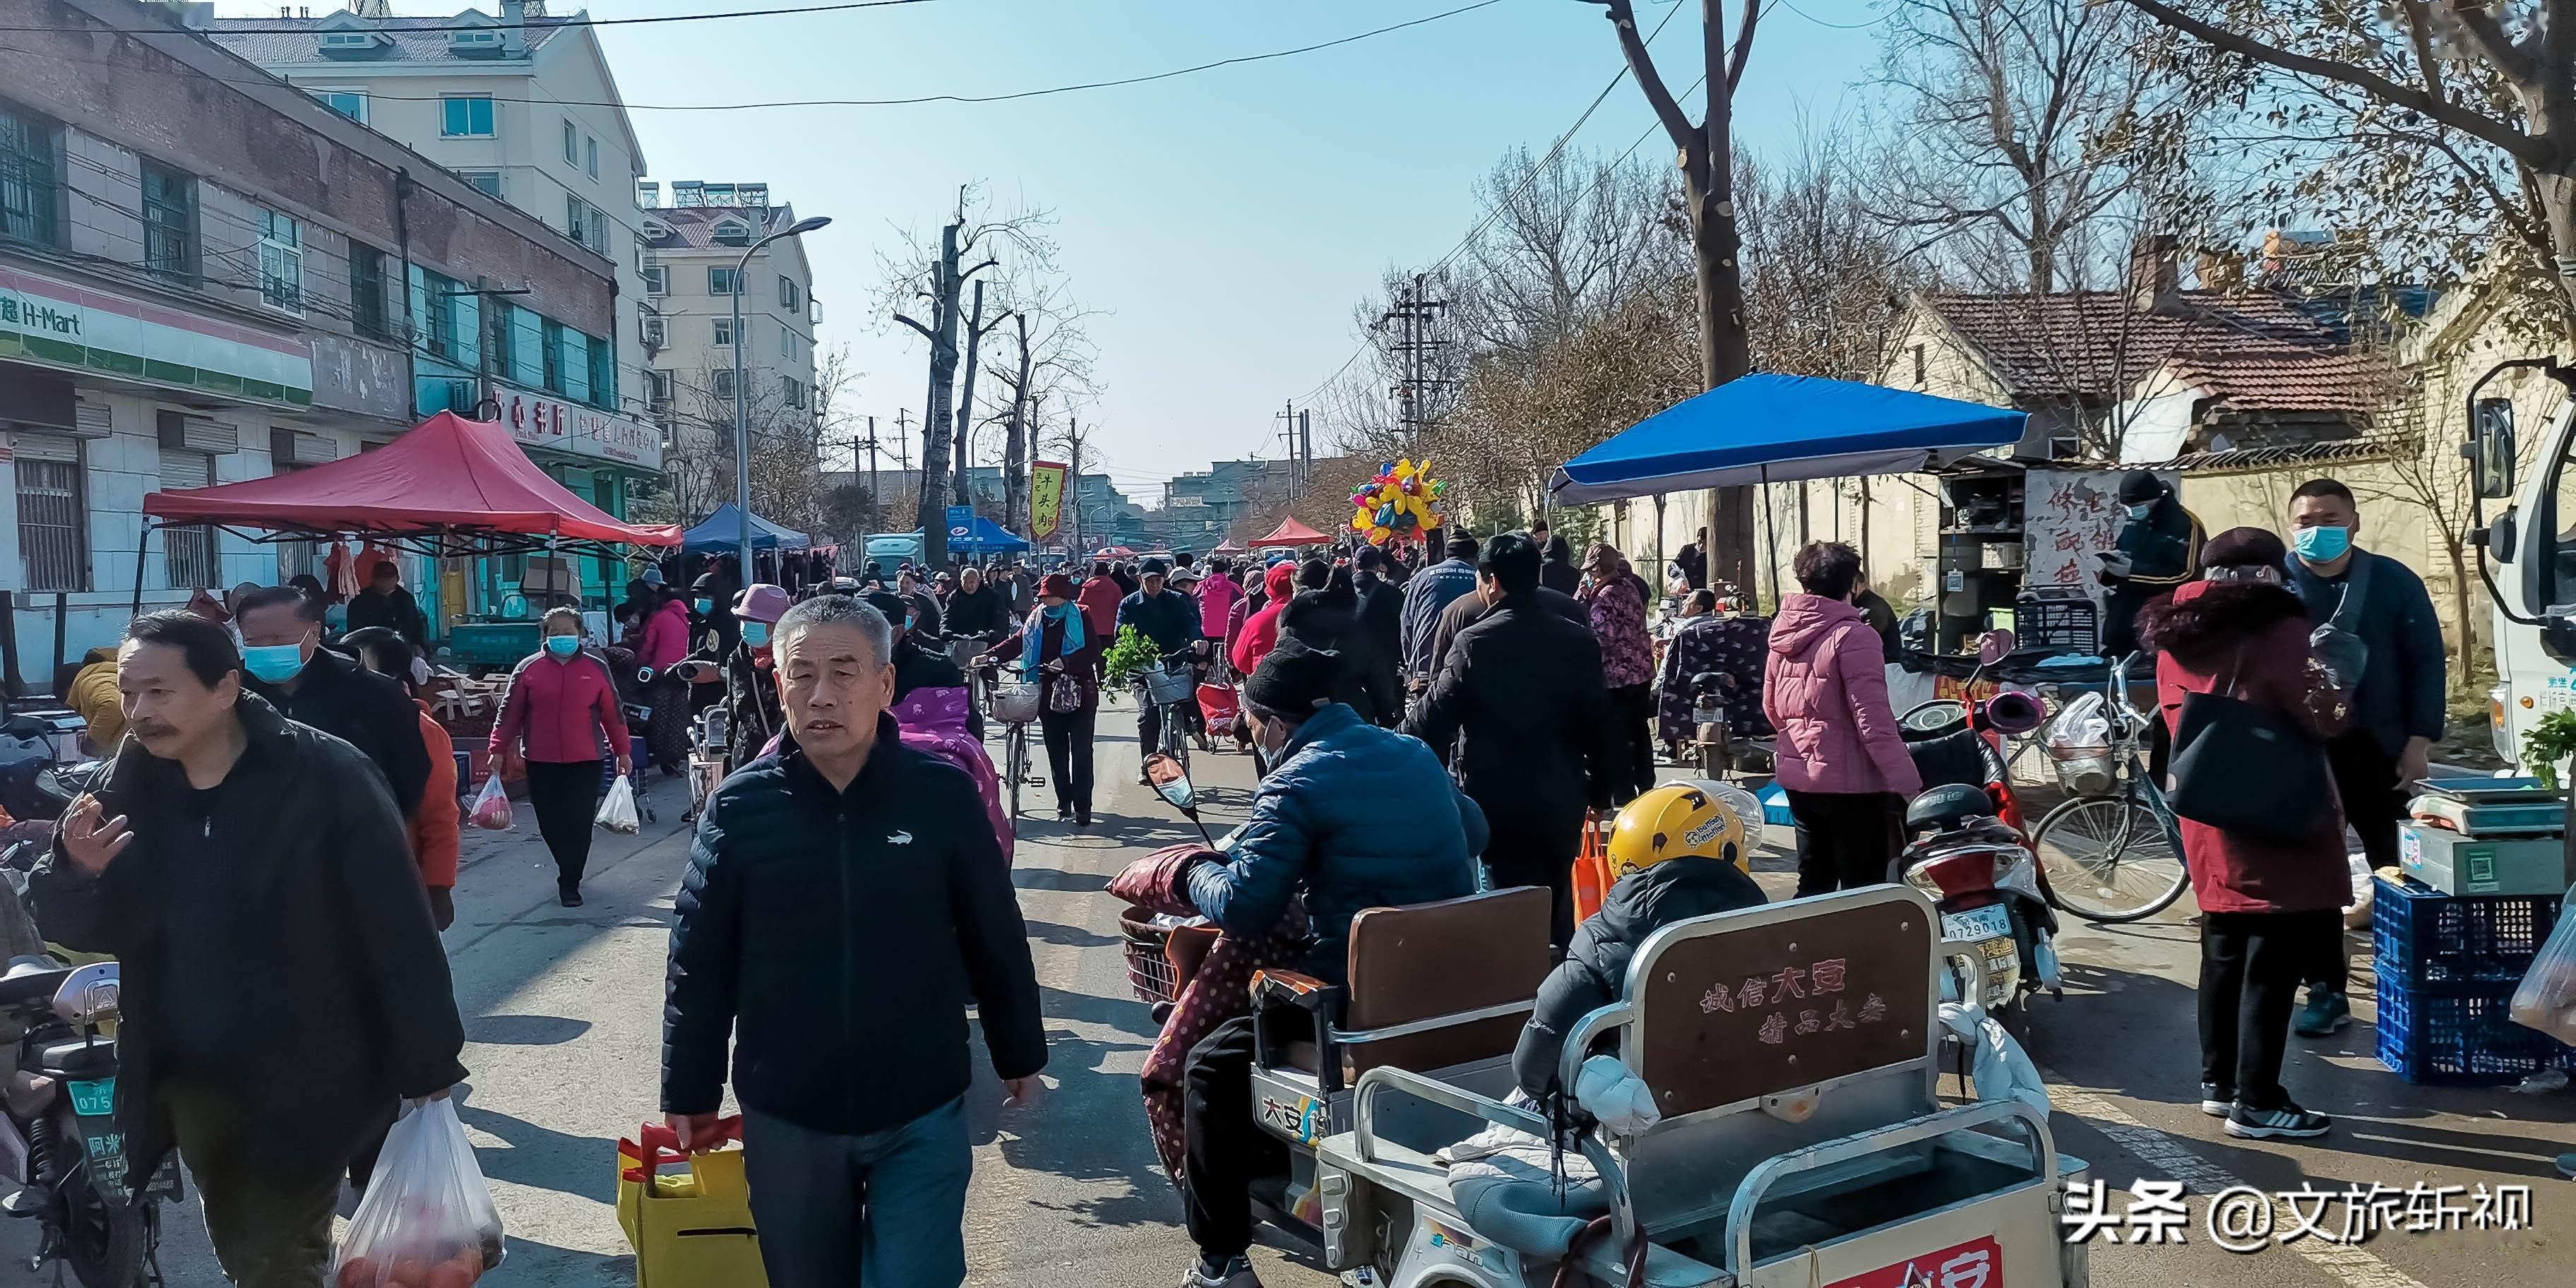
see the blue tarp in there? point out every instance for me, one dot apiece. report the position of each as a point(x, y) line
point(1778, 429)
point(723, 531)
point(987, 538)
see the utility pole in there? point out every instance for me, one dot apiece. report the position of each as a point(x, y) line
point(1288, 438)
point(868, 526)
point(1417, 342)
point(1017, 437)
point(947, 284)
point(902, 440)
point(1073, 480)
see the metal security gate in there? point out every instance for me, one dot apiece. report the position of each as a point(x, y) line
point(53, 546)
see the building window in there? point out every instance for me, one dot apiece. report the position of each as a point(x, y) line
point(552, 347)
point(465, 116)
point(188, 553)
point(576, 221)
point(169, 221)
point(1919, 367)
point(720, 281)
point(724, 330)
point(789, 297)
point(658, 383)
point(53, 519)
point(496, 338)
point(656, 332)
point(489, 181)
point(786, 341)
point(603, 372)
point(790, 392)
point(590, 156)
point(438, 298)
point(657, 279)
point(731, 233)
point(281, 262)
point(30, 171)
point(351, 103)
point(572, 144)
point(367, 292)
point(723, 382)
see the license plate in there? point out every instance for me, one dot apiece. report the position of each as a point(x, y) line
point(1977, 923)
point(94, 1099)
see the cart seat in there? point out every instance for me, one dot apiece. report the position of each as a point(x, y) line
point(1425, 982)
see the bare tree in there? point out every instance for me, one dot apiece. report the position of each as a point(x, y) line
point(2444, 125)
point(1052, 361)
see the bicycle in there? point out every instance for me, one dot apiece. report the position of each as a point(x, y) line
point(1169, 686)
point(1012, 704)
point(2112, 854)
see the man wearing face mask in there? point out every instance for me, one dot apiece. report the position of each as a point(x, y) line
point(2159, 550)
point(282, 650)
point(2375, 628)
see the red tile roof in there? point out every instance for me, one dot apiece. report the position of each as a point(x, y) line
point(2251, 351)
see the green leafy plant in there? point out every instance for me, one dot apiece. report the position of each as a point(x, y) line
point(2551, 740)
point(1130, 654)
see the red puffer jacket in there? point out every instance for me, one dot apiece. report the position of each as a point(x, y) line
point(560, 707)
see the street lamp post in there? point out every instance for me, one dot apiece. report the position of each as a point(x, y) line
point(741, 411)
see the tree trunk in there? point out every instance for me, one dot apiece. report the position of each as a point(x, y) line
point(2558, 211)
point(1725, 353)
point(966, 397)
point(1015, 473)
point(2462, 603)
point(935, 425)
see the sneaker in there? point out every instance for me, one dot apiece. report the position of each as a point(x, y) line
point(2283, 1120)
point(2217, 1101)
point(2324, 1013)
point(1235, 1273)
point(570, 896)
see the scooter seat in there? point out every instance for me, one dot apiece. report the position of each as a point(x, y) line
point(31, 980)
point(1510, 1202)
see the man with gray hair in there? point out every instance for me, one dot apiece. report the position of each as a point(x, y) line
point(845, 898)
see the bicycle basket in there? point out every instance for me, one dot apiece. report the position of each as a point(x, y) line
point(1169, 684)
point(1149, 972)
point(1015, 702)
point(2084, 771)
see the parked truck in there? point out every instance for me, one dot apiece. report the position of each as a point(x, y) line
point(2529, 550)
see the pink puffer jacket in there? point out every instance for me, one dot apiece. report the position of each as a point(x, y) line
point(1824, 688)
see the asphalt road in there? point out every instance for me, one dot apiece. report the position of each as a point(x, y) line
point(563, 1012)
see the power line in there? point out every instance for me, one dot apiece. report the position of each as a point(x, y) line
point(541, 24)
point(1013, 96)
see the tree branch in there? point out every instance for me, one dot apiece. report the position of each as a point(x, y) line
point(2492, 42)
point(2474, 124)
point(1743, 44)
point(2419, 35)
point(1641, 65)
point(926, 332)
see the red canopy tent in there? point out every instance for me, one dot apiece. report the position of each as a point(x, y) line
point(1290, 533)
point(446, 478)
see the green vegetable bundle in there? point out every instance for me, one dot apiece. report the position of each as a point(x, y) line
point(1130, 655)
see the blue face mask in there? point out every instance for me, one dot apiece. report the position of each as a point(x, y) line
point(2142, 511)
point(706, 605)
point(2322, 544)
point(274, 663)
point(755, 633)
point(563, 645)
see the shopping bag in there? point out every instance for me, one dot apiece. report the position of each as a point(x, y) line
point(688, 1218)
point(617, 812)
point(427, 1220)
point(492, 806)
point(1592, 868)
point(2546, 999)
point(1217, 702)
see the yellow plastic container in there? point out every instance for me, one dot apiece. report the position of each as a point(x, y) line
point(689, 1222)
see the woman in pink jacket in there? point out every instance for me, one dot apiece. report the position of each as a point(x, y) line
point(666, 645)
point(561, 702)
point(1841, 761)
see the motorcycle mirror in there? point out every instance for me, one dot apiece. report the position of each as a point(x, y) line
point(1172, 782)
point(1994, 646)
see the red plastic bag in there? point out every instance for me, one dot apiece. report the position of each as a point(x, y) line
point(492, 807)
point(1217, 703)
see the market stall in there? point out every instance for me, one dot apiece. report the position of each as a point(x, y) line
point(451, 489)
point(1289, 533)
point(985, 537)
point(721, 532)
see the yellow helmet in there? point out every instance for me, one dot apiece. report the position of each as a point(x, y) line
point(1705, 819)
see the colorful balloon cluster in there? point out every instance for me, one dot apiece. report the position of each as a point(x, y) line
point(1400, 504)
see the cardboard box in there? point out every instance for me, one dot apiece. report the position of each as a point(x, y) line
point(2456, 864)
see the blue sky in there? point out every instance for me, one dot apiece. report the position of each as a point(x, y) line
point(1223, 223)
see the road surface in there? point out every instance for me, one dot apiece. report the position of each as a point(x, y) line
point(563, 1012)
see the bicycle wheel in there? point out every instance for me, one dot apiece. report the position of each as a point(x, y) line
point(2107, 859)
point(1015, 761)
point(1176, 744)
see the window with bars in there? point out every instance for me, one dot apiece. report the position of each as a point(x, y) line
point(53, 534)
point(488, 181)
point(169, 221)
point(30, 176)
point(281, 262)
point(188, 553)
point(367, 292)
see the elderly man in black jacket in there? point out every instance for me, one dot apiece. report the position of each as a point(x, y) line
point(284, 988)
point(282, 653)
point(1520, 713)
point(844, 897)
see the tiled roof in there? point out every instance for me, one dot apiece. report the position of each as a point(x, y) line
point(2254, 351)
point(693, 227)
point(257, 40)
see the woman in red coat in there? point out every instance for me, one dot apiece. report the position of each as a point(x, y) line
point(2271, 911)
point(561, 703)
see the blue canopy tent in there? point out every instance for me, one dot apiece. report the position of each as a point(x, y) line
point(1764, 428)
point(722, 531)
point(985, 538)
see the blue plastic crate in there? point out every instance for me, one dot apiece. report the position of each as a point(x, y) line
point(2422, 936)
point(2460, 1035)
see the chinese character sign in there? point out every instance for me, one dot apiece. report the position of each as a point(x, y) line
point(1046, 498)
point(1978, 1263)
point(2069, 518)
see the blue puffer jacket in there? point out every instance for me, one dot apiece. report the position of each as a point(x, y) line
point(1355, 817)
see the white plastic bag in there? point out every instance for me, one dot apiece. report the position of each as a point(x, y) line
point(2547, 998)
point(492, 807)
point(2356, 914)
point(1617, 1098)
point(617, 813)
point(427, 1217)
point(1997, 1064)
point(2081, 724)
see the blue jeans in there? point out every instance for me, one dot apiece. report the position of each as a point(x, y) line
point(885, 1209)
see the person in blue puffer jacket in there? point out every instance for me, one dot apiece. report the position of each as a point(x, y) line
point(1350, 815)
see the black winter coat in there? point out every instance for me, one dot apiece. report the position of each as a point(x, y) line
point(1595, 969)
point(277, 953)
point(836, 936)
point(366, 710)
point(1366, 682)
point(1520, 715)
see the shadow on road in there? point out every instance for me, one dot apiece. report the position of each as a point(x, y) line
point(524, 1030)
point(543, 1158)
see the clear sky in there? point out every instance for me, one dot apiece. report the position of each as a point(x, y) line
point(1225, 223)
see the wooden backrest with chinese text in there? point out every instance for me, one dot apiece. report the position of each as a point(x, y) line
point(1427, 960)
point(1757, 1002)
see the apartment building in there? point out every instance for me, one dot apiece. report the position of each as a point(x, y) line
point(521, 105)
point(206, 276)
point(694, 245)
